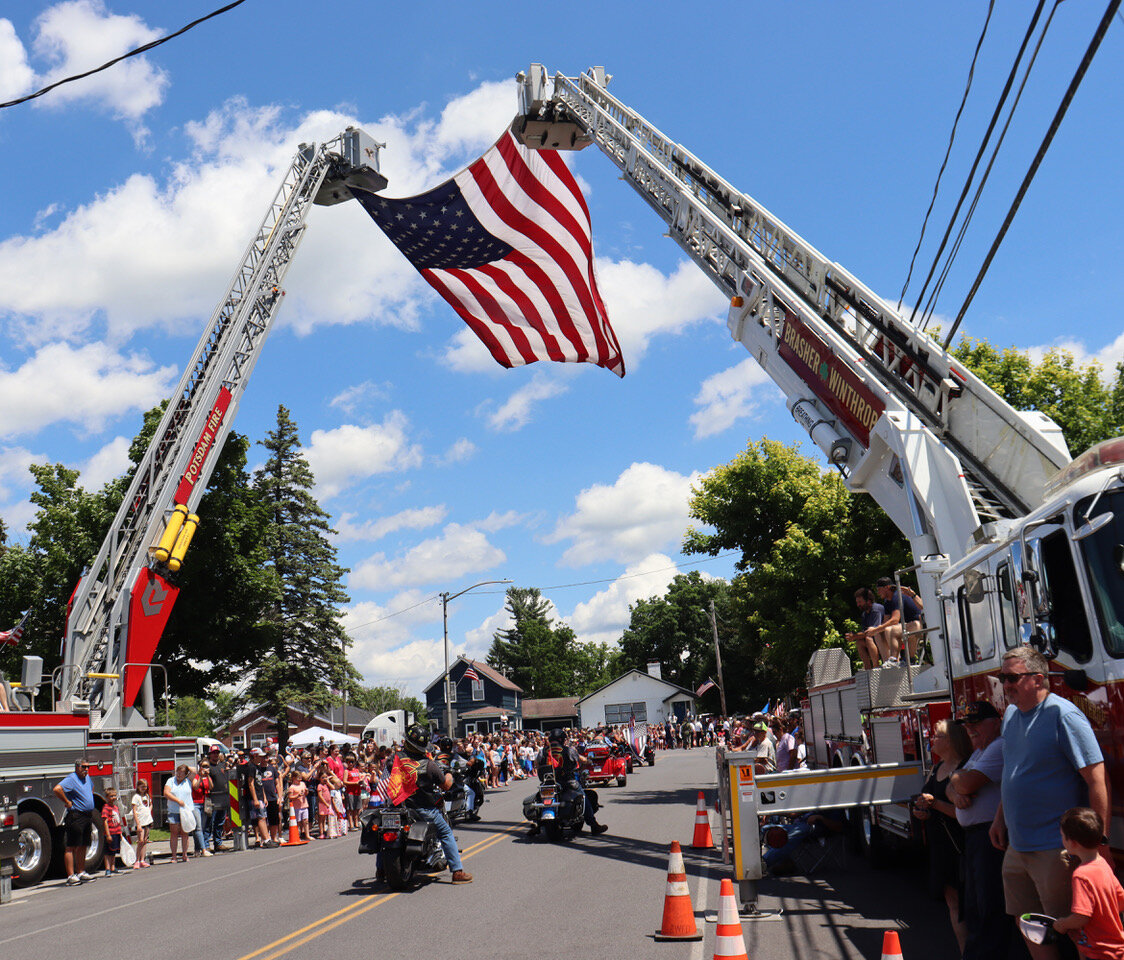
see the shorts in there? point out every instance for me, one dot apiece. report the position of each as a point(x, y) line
point(352, 801)
point(272, 813)
point(113, 843)
point(79, 828)
point(302, 814)
point(1036, 882)
point(256, 812)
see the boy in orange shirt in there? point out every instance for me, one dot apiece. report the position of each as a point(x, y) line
point(1098, 898)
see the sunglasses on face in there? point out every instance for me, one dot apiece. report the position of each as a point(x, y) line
point(1014, 677)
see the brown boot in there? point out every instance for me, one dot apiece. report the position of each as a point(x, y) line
point(459, 876)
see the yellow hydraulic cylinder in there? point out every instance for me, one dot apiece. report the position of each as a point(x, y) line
point(183, 541)
point(164, 548)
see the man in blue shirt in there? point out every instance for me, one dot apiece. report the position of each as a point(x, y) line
point(873, 645)
point(903, 609)
point(1051, 762)
point(77, 794)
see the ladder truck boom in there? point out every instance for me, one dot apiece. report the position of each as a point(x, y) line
point(122, 603)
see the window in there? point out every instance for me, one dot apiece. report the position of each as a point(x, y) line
point(621, 712)
point(257, 740)
point(1104, 562)
point(470, 727)
point(1008, 607)
point(1062, 598)
point(477, 689)
point(975, 629)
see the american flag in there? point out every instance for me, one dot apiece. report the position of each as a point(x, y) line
point(471, 674)
point(708, 685)
point(381, 787)
point(11, 638)
point(508, 244)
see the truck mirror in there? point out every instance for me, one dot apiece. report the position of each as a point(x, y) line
point(974, 589)
point(1043, 644)
point(1089, 527)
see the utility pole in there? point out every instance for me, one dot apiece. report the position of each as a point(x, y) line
point(718, 660)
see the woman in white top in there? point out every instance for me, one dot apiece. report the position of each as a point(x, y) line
point(142, 820)
point(177, 792)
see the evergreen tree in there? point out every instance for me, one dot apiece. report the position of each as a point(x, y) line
point(307, 645)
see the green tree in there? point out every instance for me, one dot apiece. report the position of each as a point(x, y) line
point(381, 699)
point(307, 645)
point(1076, 396)
point(805, 544)
point(192, 717)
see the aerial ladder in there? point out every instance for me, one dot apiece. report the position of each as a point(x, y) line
point(118, 611)
point(894, 412)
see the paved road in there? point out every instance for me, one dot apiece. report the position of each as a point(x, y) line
point(597, 897)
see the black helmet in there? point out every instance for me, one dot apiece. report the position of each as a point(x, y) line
point(557, 736)
point(445, 745)
point(416, 739)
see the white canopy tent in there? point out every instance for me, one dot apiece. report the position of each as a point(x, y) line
point(312, 736)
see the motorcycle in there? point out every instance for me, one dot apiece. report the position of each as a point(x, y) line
point(556, 809)
point(407, 842)
point(456, 797)
point(649, 754)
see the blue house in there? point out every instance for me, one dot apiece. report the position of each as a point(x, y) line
point(484, 705)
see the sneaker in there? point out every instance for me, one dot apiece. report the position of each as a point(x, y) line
point(73, 880)
point(207, 853)
point(108, 873)
point(461, 877)
point(84, 877)
point(892, 662)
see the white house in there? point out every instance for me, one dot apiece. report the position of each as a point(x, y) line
point(645, 696)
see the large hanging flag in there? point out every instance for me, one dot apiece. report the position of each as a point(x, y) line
point(703, 687)
point(508, 244)
point(11, 638)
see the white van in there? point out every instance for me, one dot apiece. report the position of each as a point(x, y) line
point(388, 727)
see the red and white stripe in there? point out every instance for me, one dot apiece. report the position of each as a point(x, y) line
point(729, 941)
point(540, 302)
point(471, 674)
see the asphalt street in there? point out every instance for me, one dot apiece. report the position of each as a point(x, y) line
point(598, 897)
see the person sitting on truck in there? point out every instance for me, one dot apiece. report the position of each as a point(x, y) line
point(902, 609)
point(871, 642)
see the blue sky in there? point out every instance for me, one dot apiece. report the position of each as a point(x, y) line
point(128, 198)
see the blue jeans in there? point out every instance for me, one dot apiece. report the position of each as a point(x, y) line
point(200, 843)
point(984, 907)
point(469, 798)
point(797, 832)
point(213, 827)
point(587, 812)
point(444, 834)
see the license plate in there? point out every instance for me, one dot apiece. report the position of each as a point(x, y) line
point(391, 822)
point(548, 814)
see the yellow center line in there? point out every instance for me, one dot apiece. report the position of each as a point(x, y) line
point(333, 920)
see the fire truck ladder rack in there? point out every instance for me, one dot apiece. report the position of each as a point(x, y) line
point(1004, 456)
point(223, 361)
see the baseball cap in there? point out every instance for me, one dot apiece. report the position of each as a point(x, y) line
point(214, 748)
point(980, 710)
point(256, 753)
point(761, 725)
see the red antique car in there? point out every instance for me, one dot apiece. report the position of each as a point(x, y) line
point(604, 766)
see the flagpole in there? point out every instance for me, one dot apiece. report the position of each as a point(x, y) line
point(718, 659)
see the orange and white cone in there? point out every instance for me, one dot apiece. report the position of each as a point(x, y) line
point(294, 831)
point(891, 946)
point(703, 839)
point(729, 941)
point(678, 914)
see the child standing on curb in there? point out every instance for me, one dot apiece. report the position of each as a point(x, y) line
point(113, 820)
point(142, 821)
point(1098, 898)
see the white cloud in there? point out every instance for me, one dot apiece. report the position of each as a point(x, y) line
point(14, 462)
point(371, 530)
point(353, 397)
point(1107, 356)
point(516, 412)
point(16, 76)
point(643, 511)
point(643, 302)
point(385, 648)
point(466, 354)
point(603, 617)
point(459, 550)
point(733, 394)
point(86, 385)
point(341, 456)
point(109, 462)
point(461, 450)
point(81, 34)
point(500, 521)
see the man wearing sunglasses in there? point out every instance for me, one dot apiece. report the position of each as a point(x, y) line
point(1051, 762)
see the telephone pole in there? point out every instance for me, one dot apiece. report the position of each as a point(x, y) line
point(718, 660)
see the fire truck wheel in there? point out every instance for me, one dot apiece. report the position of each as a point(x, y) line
point(95, 852)
point(868, 838)
point(34, 857)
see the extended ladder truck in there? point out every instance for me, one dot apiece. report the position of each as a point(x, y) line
point(1012, 541)
point(102, 703)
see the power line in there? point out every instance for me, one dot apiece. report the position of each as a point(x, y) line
point(132, 53)
point(948, 151)
point(1059, 115)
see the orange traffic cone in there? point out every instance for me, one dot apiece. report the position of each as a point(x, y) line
point(729, 942)
point(294, 831)
point(678, 915)
point(891, 946)
point(703, 840)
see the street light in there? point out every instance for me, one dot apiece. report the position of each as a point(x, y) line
point(445, 598)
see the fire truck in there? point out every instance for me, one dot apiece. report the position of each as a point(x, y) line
point(1013, 542)
point(102, 705)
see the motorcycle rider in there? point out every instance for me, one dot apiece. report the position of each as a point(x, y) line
point(566, 763)
point(427, 800)
point(473, 770)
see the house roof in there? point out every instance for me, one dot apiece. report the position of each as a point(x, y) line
point(331, 717)
point(667, 683)
point(550, 707)
point(481, 668)
point(486, 712)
